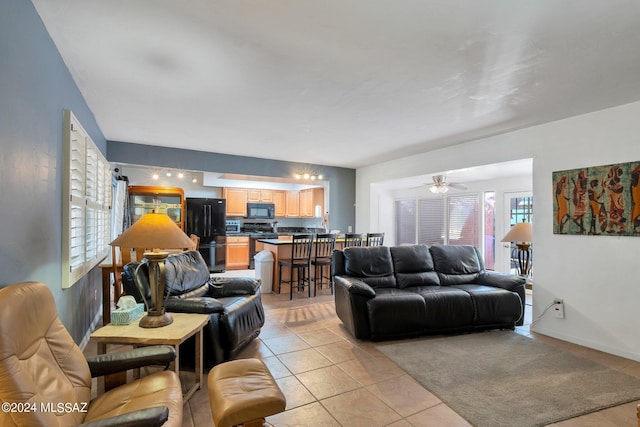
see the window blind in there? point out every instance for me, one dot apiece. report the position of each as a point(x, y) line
point(431, 230)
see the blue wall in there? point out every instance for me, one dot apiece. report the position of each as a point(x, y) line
point(342, 181)
point(35, 87)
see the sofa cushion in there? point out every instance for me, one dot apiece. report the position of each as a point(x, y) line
point(456, 264)
point(493, 306)
point(396, 312)
point(185, 272)
point(372, 265)
point(447, 307)
point(414, 266)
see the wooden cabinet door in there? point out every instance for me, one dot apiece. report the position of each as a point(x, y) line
point(237, 253)
point(306, 208)
point(253, 195)
point(279, 200)
point(292, 204)
point(266, 196)
point(309, 199)
point(236, 201)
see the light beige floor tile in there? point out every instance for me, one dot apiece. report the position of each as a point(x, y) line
point(439, 415)
point(277, 369)
point(295, 392)
point(327, 382)
point(404, 395)
point(255, 349)
point(360, 408)
point(371, 370)
point(341, 351)
point(312, 415)
point(320, 337)
point(304, 360)
point(286, 344)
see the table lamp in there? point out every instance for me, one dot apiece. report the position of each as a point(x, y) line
point(522, 235)
point(154, 231)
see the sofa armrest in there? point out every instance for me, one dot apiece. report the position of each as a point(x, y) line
point(110, 363)
point(150, 417)
point(232, 286)
point(506, 281)
point(355, 286)
point(201, 305)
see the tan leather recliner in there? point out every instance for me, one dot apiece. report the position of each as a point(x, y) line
point(45, 379)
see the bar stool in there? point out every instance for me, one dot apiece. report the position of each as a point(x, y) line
point(375, 239)
point(324, 246)
point(352, 239)
point(300, 261)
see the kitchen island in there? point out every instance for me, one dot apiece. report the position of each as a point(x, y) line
point(281, 249)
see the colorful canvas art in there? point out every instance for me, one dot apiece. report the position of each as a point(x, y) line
point(599, 200)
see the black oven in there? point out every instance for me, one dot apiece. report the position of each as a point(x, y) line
point(261, 210)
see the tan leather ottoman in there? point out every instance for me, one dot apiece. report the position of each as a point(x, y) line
point(243, 392)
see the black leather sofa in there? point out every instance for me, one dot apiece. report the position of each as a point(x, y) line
point(402, 291)
point(234, 305)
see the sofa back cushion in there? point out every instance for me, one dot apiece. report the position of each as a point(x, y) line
point(456, 264)
point(185, 272)
point(414, 266)
point(372, 265)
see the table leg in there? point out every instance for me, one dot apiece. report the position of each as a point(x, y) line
point(106, 296)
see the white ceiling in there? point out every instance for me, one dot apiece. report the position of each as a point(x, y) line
point(342, 82)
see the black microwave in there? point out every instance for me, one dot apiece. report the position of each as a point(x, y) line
point(261, 210)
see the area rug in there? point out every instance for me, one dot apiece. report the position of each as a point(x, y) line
point(501, 378)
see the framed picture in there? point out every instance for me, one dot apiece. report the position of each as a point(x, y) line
point(598, 200)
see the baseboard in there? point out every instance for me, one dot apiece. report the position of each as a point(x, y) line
point(588, 343)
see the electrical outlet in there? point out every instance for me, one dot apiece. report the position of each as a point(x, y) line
point(558, 308)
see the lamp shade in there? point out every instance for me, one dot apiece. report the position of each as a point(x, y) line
point(521, 232)
point(154, 231)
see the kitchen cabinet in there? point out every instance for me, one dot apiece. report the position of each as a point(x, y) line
point(237, 199)
point(255, 195)
point(309, 199)
point(237, 252)
point(292, 204)
point(279, 201)
point(144, 199)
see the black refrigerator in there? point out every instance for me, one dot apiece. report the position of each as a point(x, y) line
point(206, 219)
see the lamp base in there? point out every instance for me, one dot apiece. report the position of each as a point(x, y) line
point(156, 320)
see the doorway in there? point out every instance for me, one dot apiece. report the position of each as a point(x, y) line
point(518, 208)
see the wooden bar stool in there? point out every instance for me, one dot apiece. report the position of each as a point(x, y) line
point(374, 239)
point(300, 261)
point(324, 246)
point(242, 393)
point(352, 239)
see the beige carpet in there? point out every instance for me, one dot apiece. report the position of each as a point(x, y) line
point(500, 378)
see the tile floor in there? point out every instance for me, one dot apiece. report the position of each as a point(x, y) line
point(331, 379)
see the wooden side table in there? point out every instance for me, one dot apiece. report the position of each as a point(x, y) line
point(184, 326)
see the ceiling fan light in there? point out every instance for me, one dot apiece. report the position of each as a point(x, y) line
point(439, 189)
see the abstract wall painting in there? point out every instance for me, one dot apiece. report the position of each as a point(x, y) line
point(599, 200)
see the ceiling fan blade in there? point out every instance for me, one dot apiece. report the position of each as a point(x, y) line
point(457, 186)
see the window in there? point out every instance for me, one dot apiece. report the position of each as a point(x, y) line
point(453, 220)
point(431, 230)
point(87, 195)
point(464, 225)
point(405, 221)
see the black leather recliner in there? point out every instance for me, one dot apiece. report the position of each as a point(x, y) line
point(392, 292)
point(234, 305)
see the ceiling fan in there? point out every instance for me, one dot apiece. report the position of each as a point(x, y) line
point(441, 185)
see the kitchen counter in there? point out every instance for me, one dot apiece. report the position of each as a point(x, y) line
point(281, 249)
